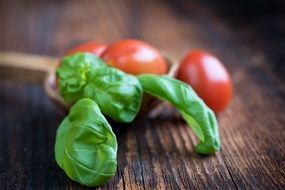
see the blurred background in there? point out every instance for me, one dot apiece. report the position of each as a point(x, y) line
point(252, 30)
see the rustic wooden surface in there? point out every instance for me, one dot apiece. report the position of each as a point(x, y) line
point(248, 36)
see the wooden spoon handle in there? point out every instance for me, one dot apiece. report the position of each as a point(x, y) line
point(25, 68)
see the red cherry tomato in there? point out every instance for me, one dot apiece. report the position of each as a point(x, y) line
point(208, 77)
point(135, 57)
point(88, 47)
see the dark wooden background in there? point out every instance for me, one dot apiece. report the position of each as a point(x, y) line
point(247, 35)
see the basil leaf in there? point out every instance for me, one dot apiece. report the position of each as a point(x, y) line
point(118, 95)
point(86, 147)
point(199, 117)
point(73, 71)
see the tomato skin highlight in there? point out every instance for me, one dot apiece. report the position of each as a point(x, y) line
point(208, 77)
point(88, 47)
point(135, 57)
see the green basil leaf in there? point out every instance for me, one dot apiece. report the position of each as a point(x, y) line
point(199, 117)
point(118, 95)
point(73, 71)
point(86, 147)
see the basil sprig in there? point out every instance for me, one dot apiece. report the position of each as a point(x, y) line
point(86, 147)
point(84, 75)
point(199, 117)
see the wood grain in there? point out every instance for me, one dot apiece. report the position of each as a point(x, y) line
point(153, 153)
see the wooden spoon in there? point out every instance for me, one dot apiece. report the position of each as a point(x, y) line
point(31, 69)
point(37, 69)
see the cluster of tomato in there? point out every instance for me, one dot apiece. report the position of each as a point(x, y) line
point(201, 70)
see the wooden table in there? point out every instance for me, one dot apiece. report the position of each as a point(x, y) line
point(153, 153)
